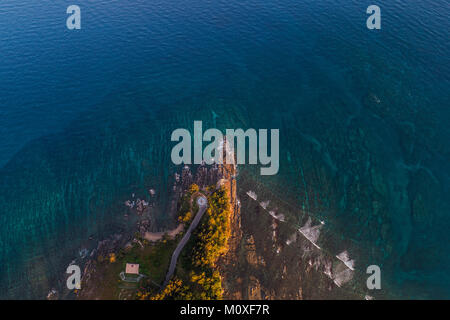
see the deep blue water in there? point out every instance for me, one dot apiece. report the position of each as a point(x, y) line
point(86, 117)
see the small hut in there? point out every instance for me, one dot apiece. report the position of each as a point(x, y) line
point(132, 268)
point(131, 273)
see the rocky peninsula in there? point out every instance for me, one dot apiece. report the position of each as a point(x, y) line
point(104, 274)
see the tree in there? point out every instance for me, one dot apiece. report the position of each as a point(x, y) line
point(193, 188)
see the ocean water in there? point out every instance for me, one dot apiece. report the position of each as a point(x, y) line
point(86, 118)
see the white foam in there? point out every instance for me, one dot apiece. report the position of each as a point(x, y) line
point(264, 204)
point(276, 216)
point(252, 195)
point(311, 233)
point(345, 258)
point(342, 277)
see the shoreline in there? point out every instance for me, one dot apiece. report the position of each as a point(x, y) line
point(99, 266)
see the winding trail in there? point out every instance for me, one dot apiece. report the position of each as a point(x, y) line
point(202, 205)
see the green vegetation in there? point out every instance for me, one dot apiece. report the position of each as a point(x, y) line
point(153, 260)
point(185, 212)
point(213, 233)
point(196, 275)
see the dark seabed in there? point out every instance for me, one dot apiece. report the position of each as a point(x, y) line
point(86, 118)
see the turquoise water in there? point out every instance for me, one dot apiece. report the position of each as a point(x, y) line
point(86, 118)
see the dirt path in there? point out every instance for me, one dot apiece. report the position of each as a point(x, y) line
point(202, 205)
